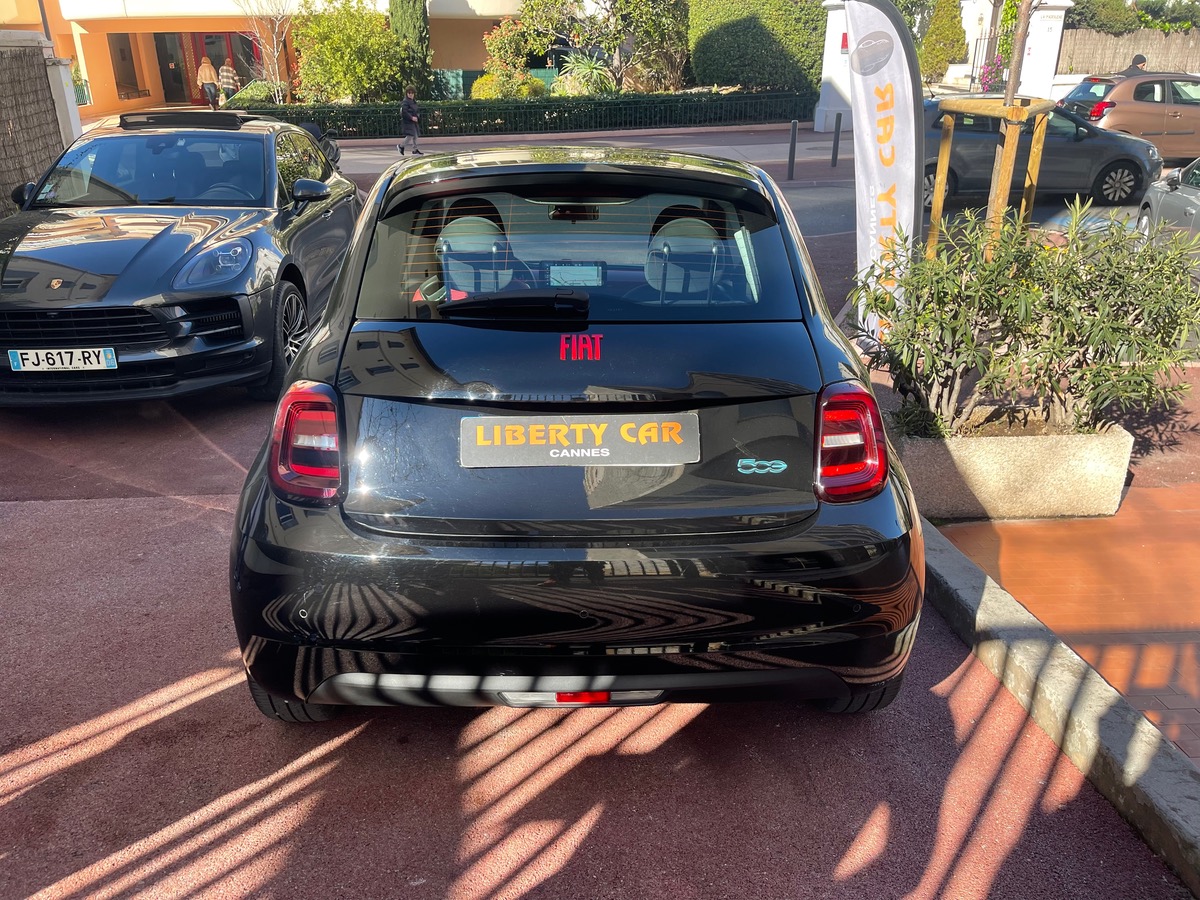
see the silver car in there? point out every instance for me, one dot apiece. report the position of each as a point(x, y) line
point(1077, 158)
point(1172, 203)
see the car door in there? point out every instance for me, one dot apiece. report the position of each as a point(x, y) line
point(1144, 115)
point(972, 150)
point(317, 232)
point(1067, 164)
point(1179, 209)
point(1183, 117)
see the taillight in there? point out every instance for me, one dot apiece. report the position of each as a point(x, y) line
point(306, 457)
point(1099, 109)
point(851, 449)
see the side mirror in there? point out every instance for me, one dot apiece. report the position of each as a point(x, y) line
point(22, 193)
point(306, 190)
point(1173, 178)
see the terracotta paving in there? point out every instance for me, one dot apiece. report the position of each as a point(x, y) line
point(1123, 592)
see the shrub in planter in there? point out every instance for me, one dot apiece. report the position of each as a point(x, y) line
point(1048, 330)
point(1069, 324)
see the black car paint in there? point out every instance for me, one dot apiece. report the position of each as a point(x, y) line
point(128, 256)
point(360, 603)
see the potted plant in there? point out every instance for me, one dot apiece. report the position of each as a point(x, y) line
point(1009, 351)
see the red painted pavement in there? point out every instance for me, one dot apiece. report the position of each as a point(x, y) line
point(132, 763)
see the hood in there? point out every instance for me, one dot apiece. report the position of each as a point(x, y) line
point(86, 255)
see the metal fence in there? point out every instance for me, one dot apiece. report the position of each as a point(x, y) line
point(83, 93)
point(553, 115)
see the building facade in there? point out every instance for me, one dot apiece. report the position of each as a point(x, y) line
point(139, 54)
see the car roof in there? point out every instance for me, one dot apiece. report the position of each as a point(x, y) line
point(520, 168)
point(1114, 77)
point(176, 120)
point(570, 159)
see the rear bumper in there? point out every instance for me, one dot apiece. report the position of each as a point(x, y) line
point(388, 689)
point(326, 613)
point(333, 676)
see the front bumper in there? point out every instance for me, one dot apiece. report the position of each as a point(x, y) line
point(179, 366)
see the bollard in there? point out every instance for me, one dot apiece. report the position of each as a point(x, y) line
point(792, 151)
point(837, 139)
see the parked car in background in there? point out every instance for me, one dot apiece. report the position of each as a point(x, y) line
point(166, 253)
point(577, 430)
point(1163, 108)
point(1172, 203)
point(1077, 158)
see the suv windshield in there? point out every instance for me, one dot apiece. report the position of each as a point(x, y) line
point(158, 169)
point(640, 256)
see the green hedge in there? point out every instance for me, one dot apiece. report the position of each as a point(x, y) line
point(769, 44)
point(556, 114)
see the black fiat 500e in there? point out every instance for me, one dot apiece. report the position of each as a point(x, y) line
point(577, 429)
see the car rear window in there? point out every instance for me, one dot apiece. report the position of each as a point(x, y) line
point(1090, 91)
point(633, 254)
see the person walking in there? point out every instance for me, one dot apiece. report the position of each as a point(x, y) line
point(410, 114)
point(206, 78)
point(1136, 67)
point(230, 83)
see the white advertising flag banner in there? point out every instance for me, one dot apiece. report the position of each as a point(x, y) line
point(889, 141)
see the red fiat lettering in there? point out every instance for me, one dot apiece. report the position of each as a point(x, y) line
point(579, 346)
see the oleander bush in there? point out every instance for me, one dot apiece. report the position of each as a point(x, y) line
point(1068, 324)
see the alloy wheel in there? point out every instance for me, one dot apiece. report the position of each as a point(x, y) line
point(1143, 224)
point(1118, 184)
point(293, 325)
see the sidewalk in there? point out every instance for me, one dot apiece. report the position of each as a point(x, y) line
point(1123, 592)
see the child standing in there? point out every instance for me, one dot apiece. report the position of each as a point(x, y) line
point(409, 116)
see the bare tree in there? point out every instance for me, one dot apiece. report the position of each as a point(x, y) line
point(271, 25)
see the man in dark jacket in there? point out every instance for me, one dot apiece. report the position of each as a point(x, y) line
point(409, 115)
point(1136, 67)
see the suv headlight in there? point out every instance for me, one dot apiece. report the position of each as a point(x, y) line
point(215, 265)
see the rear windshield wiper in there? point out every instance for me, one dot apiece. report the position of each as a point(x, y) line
point(557, 302)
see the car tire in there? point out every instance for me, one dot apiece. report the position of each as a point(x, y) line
point(295, 711)
point(865, 697)
point(1144, 224)
point(291, 330)
point(1116, 184)
point(928, 182)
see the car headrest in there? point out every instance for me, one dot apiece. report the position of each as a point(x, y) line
point(684, 257)
point(474, 254)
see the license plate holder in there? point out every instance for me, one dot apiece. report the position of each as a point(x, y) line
point(667, 439)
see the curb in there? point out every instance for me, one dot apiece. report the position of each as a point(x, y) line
point(1149, 780)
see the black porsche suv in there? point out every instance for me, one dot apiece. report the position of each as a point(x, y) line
point(576, 429)
point(167, 253)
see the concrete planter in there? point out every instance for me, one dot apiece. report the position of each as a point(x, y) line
point(1018, 477)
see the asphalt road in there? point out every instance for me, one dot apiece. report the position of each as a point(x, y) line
point(132, 763)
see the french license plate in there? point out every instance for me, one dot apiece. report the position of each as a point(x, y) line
point(508, 441)
point(75, 360)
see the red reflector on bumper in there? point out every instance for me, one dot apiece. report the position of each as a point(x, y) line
point(581, 697)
